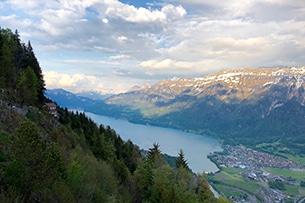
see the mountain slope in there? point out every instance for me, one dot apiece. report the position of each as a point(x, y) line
point(247, 106)
point(70, 100)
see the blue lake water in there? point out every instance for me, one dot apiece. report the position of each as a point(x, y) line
point(195, 147)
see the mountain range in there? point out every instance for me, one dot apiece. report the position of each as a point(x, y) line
point(74, 101)
point(251, 106)
point(257, 107)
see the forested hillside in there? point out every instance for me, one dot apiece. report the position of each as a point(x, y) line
point(21, 77)
point(69, 158)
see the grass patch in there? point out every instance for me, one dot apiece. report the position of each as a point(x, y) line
point(227, 190)
point(291, 190)
point(268, 147)
point(295, 158)
point(299, 175)
point(301, 191)
point(232, 177)
point(275, 148)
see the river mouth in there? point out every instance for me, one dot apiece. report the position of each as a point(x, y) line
point(195, 147)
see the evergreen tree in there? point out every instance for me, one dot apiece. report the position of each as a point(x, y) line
point(180, 161)
point(27, 87)
point(14, 57)
point(7, 71)
point(2, 78)
point(33, 63)
point(154, 155)
point(203, 189)
point(35, 164)
point(144, 179)
point(20, 58)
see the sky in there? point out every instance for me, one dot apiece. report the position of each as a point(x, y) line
point(108, 46)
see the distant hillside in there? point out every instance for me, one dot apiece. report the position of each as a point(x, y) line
point(73, 101)
point(246, 106)
point(94, 95)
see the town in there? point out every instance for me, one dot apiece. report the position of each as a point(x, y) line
point(252, 166)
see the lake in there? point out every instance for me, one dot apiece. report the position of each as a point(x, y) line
point(195, 147)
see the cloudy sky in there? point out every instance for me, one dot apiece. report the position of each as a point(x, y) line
point(109, 45)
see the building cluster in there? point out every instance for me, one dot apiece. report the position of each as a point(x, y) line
point(242, 157)
point(252, 165)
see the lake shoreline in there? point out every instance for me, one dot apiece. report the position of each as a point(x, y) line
point(196, 147)
point(162, 126)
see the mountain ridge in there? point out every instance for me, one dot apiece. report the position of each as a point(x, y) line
point(235, 105)
point(241, 84)
point(71, 100)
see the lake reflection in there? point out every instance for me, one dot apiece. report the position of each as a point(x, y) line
point(195, 147)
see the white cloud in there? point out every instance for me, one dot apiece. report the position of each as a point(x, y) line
point(105, 20)
point(125, 44)
point(77, 83)
point(174, 12)
point(133, 14)
point(165, 64)
point(119, 57)
point(122, 39)
point(73, 82)
point(29, 5)
point(85, 61)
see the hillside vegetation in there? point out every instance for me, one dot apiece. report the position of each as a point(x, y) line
point(70, 158)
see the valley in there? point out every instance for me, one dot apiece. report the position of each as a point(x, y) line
point(256, 114)
point(234, 105)
point(163, 101)
point(246, 174)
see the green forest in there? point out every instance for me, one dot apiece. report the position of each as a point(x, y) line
point(69, 158)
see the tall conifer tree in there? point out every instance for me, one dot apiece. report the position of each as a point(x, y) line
point(180, 161)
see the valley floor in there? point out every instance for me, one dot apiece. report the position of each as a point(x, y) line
point(252, 176)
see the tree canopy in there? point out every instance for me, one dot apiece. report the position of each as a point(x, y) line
point(20, 70)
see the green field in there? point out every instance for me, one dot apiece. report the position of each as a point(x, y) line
point(276, 149)
point(291, 190)
point(232, 177)
point(299, 175)
point(227, 190)
point(229, 180)
point(295, 158)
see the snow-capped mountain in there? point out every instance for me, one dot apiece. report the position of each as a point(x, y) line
point(235, 105)
point(228, 86)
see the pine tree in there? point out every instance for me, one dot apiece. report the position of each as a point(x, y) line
point(14, 57)
point(20, 58)
point(203, 189)
point(27, 87)
point(180, 161)
point(35, 164)
point(2, 78)
point(33, 63)
point(154, 152)
point(7, 71)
